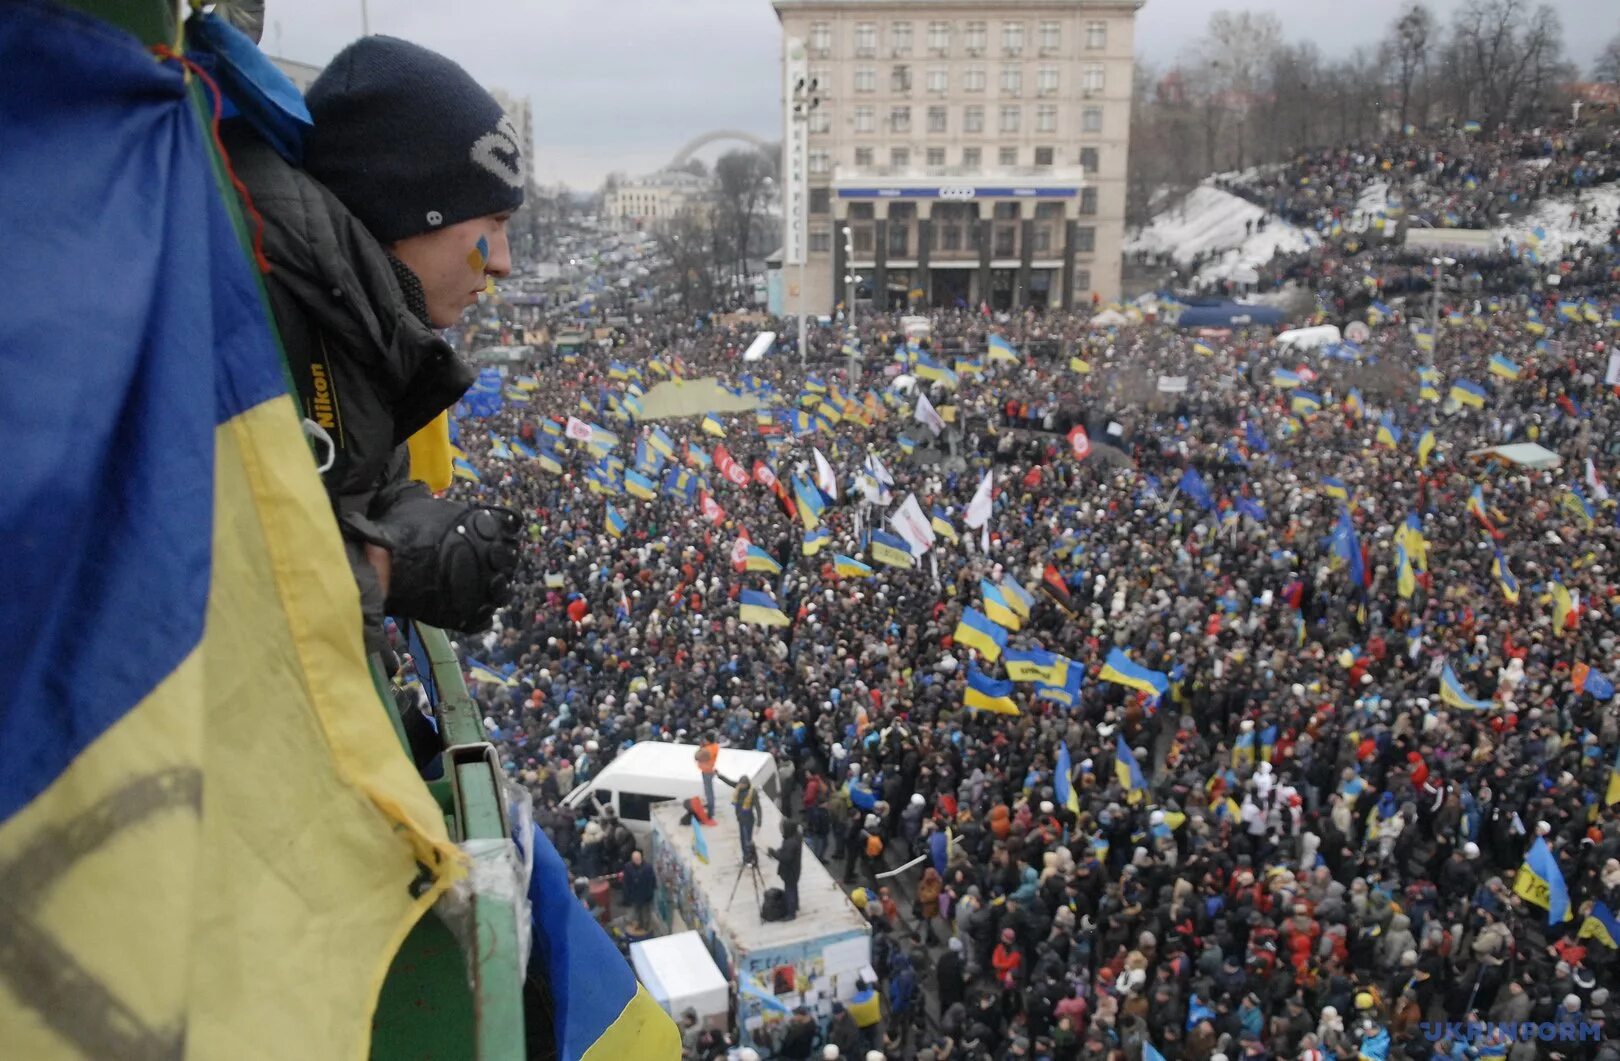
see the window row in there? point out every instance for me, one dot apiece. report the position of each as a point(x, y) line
point(939, 36)
point(1048, 80)
point(1009, 119)
point(953, 233)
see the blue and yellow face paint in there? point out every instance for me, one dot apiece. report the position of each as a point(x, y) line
point(478, 257)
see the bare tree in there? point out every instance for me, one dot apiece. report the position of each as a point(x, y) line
point(741, 188)
point(1607, 66)
point(1404, 52)
point(1503, 57)
point(1237, 47)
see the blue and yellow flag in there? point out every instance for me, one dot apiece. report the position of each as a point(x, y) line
point(1128, 771)
point(1304, 403)
point(1283, 378)
point(816, 540)
point(1119, 669)
point(849, 567)
point(1504, 367)
point(712, 426)
point(1504, 578)
point(1601, 925)
point(1388, 434)
point(1453, 693)
point(193, 849)
point(1019, 599)
point(1066, 692)
point(1036, 665)
point(614, 523)
point(976, 631)
point(983, 693)
point(942, 525)
point(1063, 783)
point(758, 559)
point(1540, 882)
point(1000, 349)
point(1425, 447)
point(997, 608)
point(1203, 349)
point(1335, 488)
point(890, 550)
point(1466, 392)
point(759, 609)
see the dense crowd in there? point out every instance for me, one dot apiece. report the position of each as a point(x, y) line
point(1387, 665)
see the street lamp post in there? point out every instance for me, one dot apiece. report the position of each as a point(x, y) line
point(1434, 305)
point(849, 306)
point(806, 99)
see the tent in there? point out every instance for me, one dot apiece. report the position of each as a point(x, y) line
point(1109, 318)
point(679, 973)
point(1308, 338)
point(1214, 313)
point(1522, 454)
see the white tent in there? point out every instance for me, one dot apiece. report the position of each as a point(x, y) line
point(1109, 318)
point(1308, 338)
point(1524, 454)
point(679, 974)
point(903, 383)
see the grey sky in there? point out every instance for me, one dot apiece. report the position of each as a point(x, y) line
point(623, 84)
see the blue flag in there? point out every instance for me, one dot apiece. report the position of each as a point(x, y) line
point(1192, 484)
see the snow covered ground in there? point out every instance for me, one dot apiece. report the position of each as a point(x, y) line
point(1558, 232)
point(1210, 221)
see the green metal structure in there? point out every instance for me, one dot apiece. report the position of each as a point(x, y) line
point(442, 1000)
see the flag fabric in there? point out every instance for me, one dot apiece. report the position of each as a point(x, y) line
point(826, 481)
point(1563, 607)
point(1594, 482)
point(1464, 392)
point(487, 675)
point(927, 415)
point(1540, 882)
point(615, 522)
point(1347, 547)
point(1067, 692)
point(1425, 447)
point(165, 523)
point(976, 631)
point(1192, 484)
point(1335, 488)
point(1079, 365)
point(1611, 794)
point(816, 540)
point(1504, 578)
point(1476, 508)
point(810, 503)
point(912, 526)
point(1453, 693)
point(1063, 784)
point(711, 426)
point(1000, 349)
point(1203, 349)
point(1388, 434)
point(1305, 403)
point(1128, 771)
point(758, 559)
point(1504, 367)
point(887, 549)
point(748, 987)
point(942, 525)
point(983, 693)
point(1281, 377)
point(1574, 502)
point(461, 468)
point(1020, 599)
point(759, 609)
point(639, 486)
point(1119, 669)
point(1405, 578)
point(978, 510)
point(1036, 665)
point(849, 567)
point(997, 608)
point(1601, 925)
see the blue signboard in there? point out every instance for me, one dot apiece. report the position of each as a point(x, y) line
point(959, 193)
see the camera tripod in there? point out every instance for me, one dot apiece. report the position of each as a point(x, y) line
point(749, 863)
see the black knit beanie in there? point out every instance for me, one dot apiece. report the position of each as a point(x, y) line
point(408, 141)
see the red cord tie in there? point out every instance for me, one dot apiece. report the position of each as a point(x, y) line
point(163, 51)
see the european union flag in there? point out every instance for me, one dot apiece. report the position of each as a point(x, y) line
point(1192, 484)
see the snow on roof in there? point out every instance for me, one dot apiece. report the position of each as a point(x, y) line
point(1210, 221)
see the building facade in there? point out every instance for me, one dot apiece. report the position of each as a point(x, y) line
point(974, 150)
point(517, 111)
point(653, 202)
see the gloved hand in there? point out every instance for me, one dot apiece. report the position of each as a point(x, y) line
point(452, 562)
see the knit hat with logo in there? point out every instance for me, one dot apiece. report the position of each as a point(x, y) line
point(409, 142)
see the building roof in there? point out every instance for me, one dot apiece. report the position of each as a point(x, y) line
point(673, 762)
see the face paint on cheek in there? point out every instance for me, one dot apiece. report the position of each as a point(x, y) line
point(478, 257)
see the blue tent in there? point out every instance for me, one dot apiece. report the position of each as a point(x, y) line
point(1218, 313)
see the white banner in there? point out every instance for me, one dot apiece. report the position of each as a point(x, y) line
point(1172, 384)
point(1612, 377)
point(927, 415)
point(911, 524)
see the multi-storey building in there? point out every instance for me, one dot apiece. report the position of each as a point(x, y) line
point(974, 150)
point(653, 202)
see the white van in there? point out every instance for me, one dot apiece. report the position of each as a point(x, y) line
point(651, 772)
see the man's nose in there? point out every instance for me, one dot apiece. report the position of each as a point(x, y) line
point(500, 254)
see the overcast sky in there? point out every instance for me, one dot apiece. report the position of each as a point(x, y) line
point(623, 84)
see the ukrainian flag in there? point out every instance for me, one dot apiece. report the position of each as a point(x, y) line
point(1119, 669)
point(979, 633)
point(431, 454)
point(816, 540)
point(696, 457)
point(1304, 403)
point(638, 485)
point(1534, 324)
point(996, 607)
point(193, 851)
point(1335, 488)
point(1464, 392)
point(1425, 339)
point(1128, 771)
point(614, 522)
point(1019, 598)
point(487, 675)
point(1504, 367)
point(1281, 377)
point(942, 525)
point(1079, 365)
point(983, 693)
point(1353, 403)
point(1601, 925)
point(758, 559)
point(1428, 392)
point(1000, 349)
point(1453, 693)
point(1203, 348)
point(1563, 606)
point(1540, 882)
point(1035, 665)
point(1405, 580)
point(849, 567)
point(759, 609)
point(811, 504)
point(548, 460)
point(1574, 502)
point(969, 367)
point(1504, 578)
point(1611, 794)
point(1068, 692)
point(463, 469)
point(890, 550)
point(1388, 434)
point(1063, 784)
point(908, 445)
point(712, 426)
point(1425, 447)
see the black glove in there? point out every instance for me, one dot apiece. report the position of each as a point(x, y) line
point(452, 563)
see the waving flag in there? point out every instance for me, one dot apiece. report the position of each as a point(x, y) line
point(1453, 693)
point(1120, 670)
point(816, 540)
point(942, 525)
point(983, 693)
point(826, 481)
point(1192, 484)
point(849, 567)
point(927, 415)
point(1504, 578)
point(1284, 379)
point(1066, 693)
point(1128, 771)
point(1000, 349)
point(1539, 881)
point(1036, 665)
point(1465, 392)
point(1425, 447)
point(887, 549)
point(164, 523)
point(760, 560)
point(977, 632)
point(996, 607)
point(759, 609)
point(1476, 508)
point(1063, 783)
point(1504, 367)
point(978, 510)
